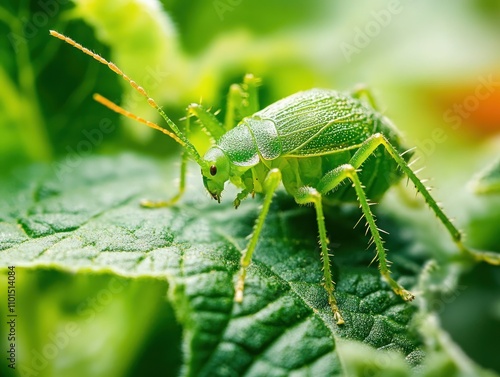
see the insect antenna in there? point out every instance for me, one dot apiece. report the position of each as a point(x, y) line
point(120, 110)
point(180, 136)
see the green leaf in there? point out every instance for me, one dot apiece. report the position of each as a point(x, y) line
point(488, 181)
point(85, 218)
point(91, 220)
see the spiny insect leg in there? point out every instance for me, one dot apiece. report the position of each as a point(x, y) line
point(307, 195)
point(271, 183)
point(348, 171)
point(208, 120)
point(367, 149)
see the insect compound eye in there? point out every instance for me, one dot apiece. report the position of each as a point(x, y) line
point(213, 170)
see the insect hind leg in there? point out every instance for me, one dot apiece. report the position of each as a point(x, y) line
point(379, 139)
point(347, 171)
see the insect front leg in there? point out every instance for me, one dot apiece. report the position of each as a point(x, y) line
point(367, 149)
point(208, 121)
point(271, 183)
point(307, 195)
point(182, 187)
point(239, 197)
point(331, 180)
point(182, 180)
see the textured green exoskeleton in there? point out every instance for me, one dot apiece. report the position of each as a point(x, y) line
point(311, 142)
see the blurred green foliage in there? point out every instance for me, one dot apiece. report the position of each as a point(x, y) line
point(488, 180)
point(184, 51)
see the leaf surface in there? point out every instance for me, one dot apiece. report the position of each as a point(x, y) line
point(91, 220)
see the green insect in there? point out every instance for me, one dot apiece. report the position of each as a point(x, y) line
point(311, 142)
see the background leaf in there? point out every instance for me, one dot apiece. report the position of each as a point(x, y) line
point(488, 181)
